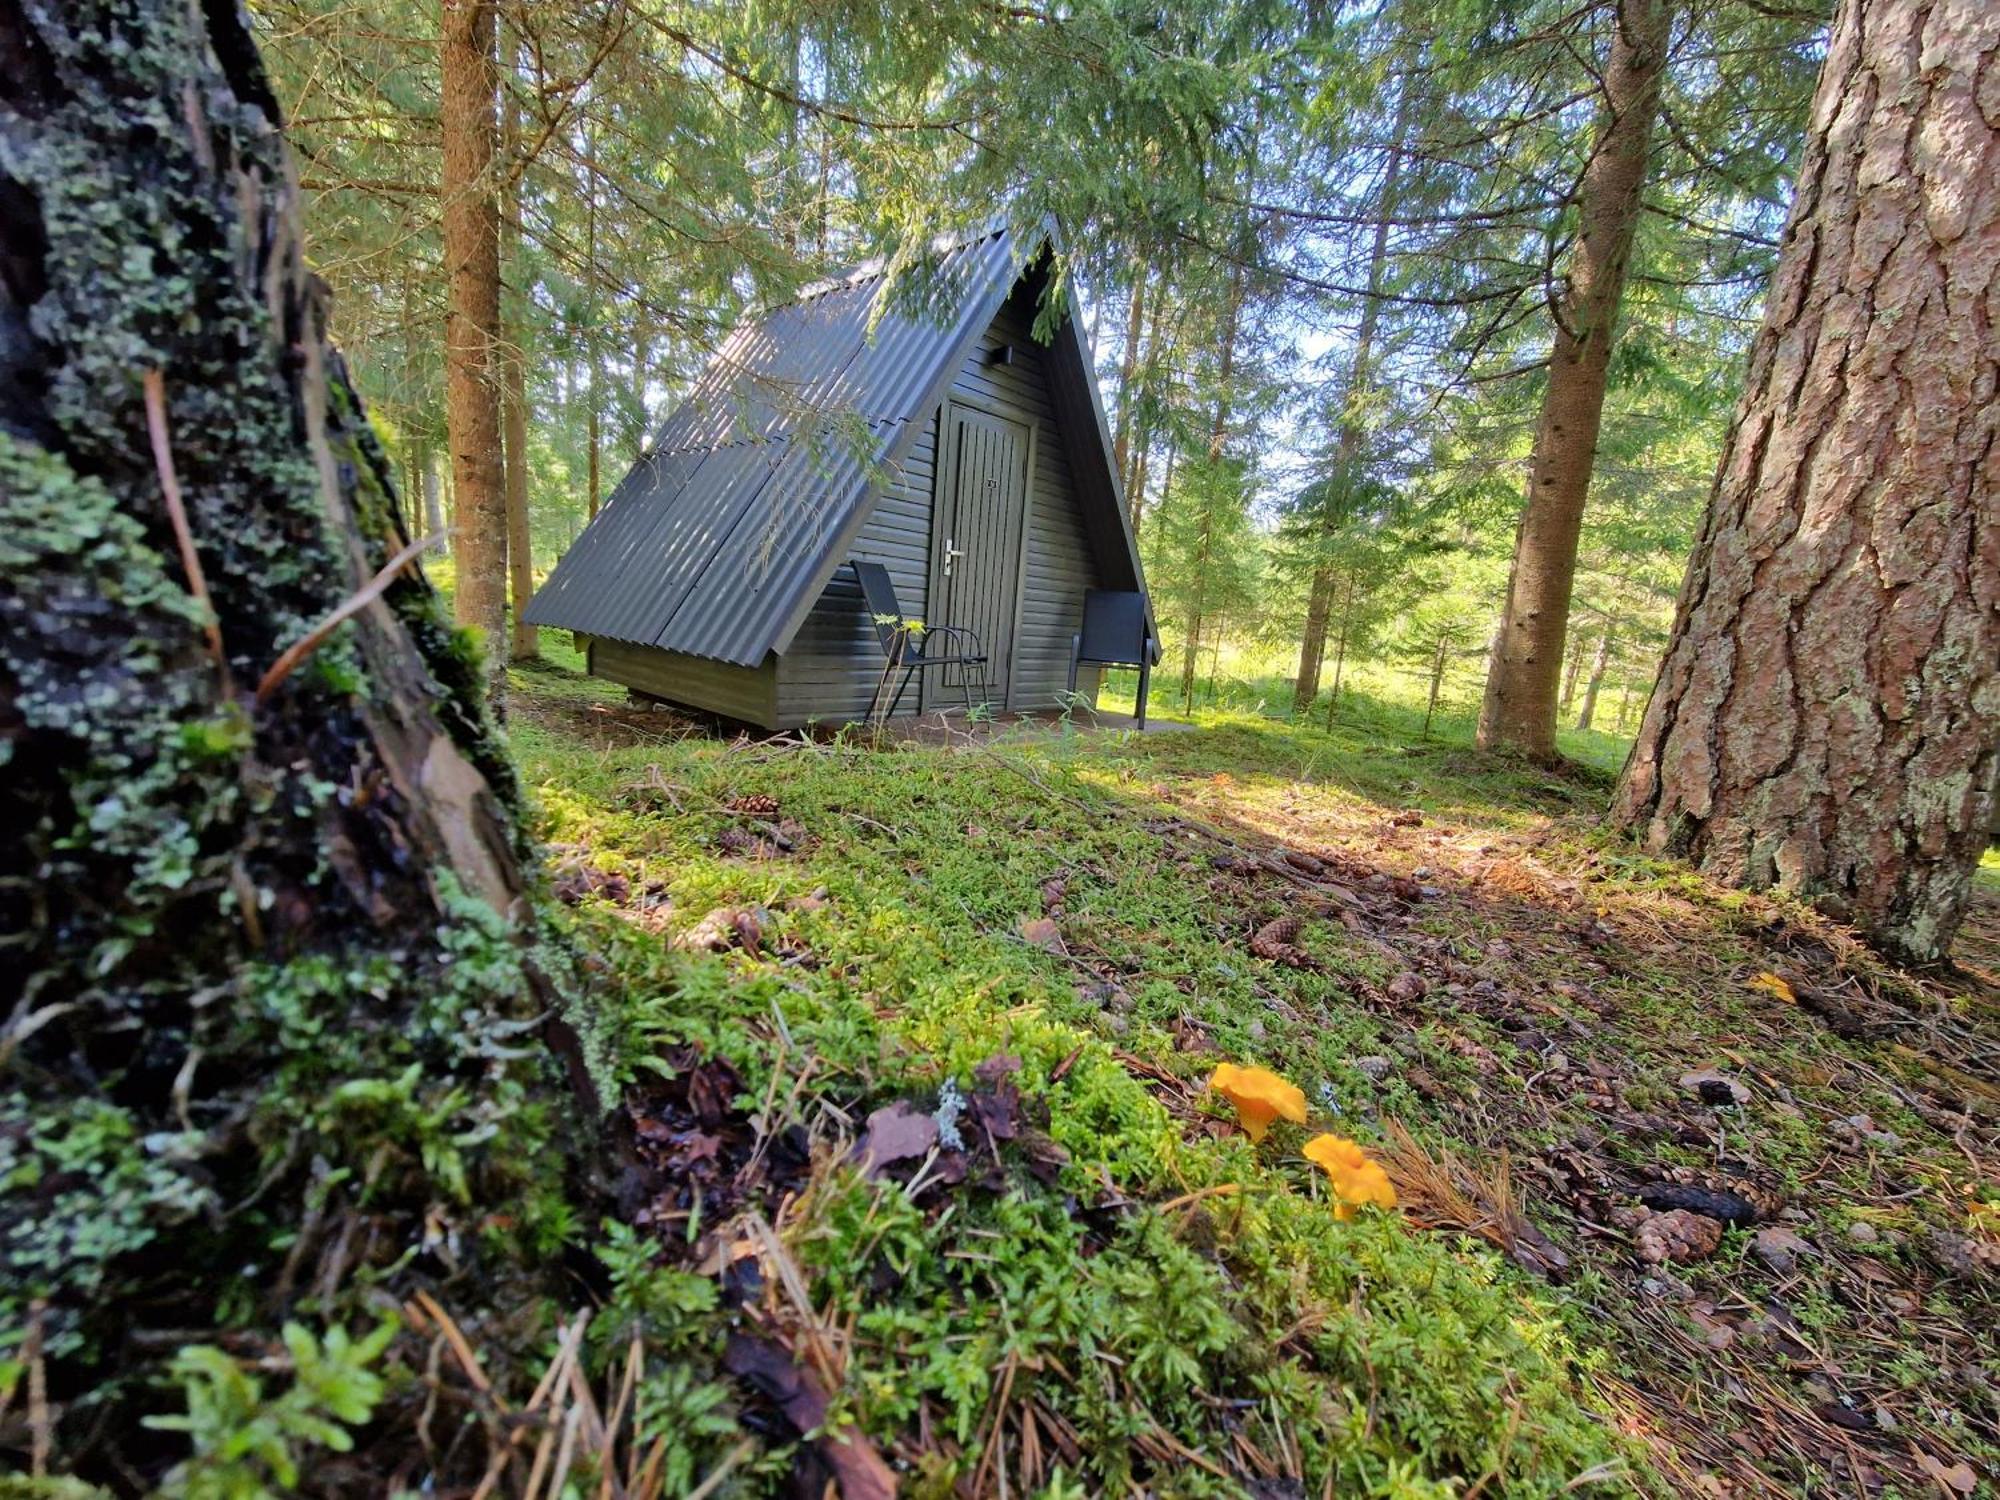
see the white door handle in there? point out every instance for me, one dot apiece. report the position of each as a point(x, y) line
point(951, 555)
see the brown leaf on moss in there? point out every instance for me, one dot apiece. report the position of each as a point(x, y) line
point(896, 1132)
point(1042, 932)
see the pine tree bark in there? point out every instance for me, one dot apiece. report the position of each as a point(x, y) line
point(523, 642)
point(1519, 711)
point(1353, 421)
point(1827, 718)
point(469, 128)
point(239, 871)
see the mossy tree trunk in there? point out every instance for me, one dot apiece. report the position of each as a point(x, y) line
point(268, 1046)
point(1827, 718)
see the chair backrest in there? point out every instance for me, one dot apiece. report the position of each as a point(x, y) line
point(1114, 627)
point(879, 590)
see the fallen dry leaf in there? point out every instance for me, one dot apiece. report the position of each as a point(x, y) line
point(1779, 1248)
point(896, 1132)
point(860, 1471)
point(1715, 1087)
point(1773, 984)
point(1957, 1479)
point(1042, 932)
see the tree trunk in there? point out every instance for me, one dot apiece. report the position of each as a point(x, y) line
point(522, 639)
point(1135, 477)
point(592, 357)
point(427, 477)
point(1519, 712)
point(1340, 653)
point(1572, 672)
point(1597, 665)
point(1827, 717)
point(1353, 422)
point(1437, 678)
point(1218, 443)
point(1135, 493)
point(472, 322)
point(1128, 372)
point(238, 872)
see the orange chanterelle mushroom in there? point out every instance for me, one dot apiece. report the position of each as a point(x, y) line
point(1356, 1179)
point(1260, 1096)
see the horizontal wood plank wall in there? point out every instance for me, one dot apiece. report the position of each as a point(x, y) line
point(830, 672)
point(745, 693)
point(835, 660)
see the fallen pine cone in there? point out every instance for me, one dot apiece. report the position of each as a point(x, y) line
point(726, 927)
point(1733, 1200)
point(1277, 941)
point(1963, 1256)
point(755, 804)
point(1678, 1236)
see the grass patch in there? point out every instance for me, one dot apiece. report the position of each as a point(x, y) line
point(1477, 984)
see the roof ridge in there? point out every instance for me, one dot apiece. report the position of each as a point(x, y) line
point(873, 268)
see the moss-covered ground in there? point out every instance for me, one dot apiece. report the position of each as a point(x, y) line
point(1048, 941)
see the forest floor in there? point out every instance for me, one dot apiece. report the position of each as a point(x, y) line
point(1695, 1196)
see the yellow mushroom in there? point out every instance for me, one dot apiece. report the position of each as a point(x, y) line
point(1260, 1096)
point(1356, 1179)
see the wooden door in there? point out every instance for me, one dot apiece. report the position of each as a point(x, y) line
point(976, 545)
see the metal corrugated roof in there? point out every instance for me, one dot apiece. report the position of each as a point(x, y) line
point(714, 541)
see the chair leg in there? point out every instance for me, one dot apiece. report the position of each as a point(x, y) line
point(1145, 681)
point(1075, 654)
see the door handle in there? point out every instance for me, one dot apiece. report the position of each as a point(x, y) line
point(951, 555)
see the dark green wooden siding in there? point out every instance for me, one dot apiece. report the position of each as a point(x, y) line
point(748, 694)
point(831, 669)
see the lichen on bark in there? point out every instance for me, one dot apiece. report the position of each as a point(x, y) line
point(270, 1017)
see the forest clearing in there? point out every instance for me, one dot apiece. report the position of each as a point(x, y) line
point(1122, 747)
point(1540, 1033)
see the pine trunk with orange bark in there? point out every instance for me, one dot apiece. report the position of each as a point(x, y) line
point(1827, 719)
point(523, 641)
point(1524, 674)
point(468, 124)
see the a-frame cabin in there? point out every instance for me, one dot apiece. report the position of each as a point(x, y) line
point(952, 446)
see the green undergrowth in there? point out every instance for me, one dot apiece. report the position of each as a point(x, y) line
point(1173, 1287)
